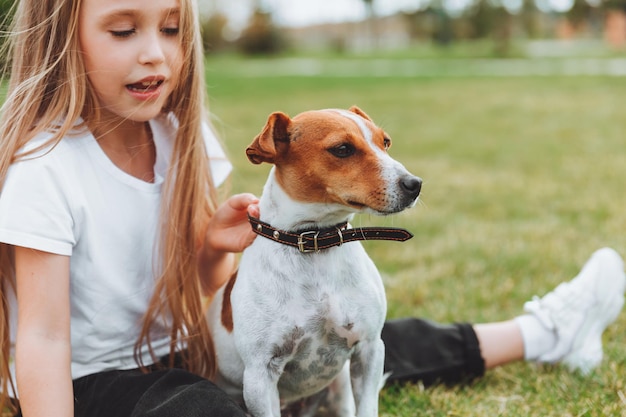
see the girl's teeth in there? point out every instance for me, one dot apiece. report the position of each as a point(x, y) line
point(144, 85)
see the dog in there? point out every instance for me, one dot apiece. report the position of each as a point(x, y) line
point(298, 327)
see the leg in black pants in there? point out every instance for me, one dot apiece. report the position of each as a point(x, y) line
point(161, 393)
point(420, 350)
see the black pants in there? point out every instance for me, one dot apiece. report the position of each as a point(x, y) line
point(421, 350)
point(416, 350)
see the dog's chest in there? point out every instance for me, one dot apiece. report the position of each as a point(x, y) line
point(316, 343)
point(307, 314)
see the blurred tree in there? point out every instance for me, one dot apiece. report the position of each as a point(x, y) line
point(503, 31)
point(614, 4)
point(490, 19)
point(370, 22)
point(261, 36)
point(530, 19)
point(444, 31)
point(482, 18)
point(213, 32)
point(443, 27)
point(583, 16)
point(421, 24)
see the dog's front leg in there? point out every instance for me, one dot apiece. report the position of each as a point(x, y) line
point(339, 401)
point(260, 392)
point(366, 373)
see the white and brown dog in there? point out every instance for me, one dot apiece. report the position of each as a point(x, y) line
point(301, 322)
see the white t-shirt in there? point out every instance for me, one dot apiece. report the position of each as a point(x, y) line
point(74, 201)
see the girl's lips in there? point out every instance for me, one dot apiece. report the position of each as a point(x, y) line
point(145, 90)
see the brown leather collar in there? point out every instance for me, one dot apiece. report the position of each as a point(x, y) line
point(316, 240)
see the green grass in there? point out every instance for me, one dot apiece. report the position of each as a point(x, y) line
point(523, 178)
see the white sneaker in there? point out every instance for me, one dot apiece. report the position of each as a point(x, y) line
point(578, 311)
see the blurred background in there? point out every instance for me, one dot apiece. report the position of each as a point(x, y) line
point(514, 27)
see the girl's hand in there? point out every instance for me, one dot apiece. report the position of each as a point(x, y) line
point(229, 229)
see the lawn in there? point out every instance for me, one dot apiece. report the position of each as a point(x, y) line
point(523, 179)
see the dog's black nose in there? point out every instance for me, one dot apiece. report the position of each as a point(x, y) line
point(412, 185)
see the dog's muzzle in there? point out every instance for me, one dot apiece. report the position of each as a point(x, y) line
point(406, 193)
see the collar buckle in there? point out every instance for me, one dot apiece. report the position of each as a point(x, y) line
point(301, 241)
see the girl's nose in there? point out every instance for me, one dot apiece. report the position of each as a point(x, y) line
point(152, 50)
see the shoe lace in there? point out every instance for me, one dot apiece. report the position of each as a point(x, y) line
point(560, 305)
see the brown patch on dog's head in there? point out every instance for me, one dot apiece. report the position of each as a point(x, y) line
point(227, 307)
point(331, 157)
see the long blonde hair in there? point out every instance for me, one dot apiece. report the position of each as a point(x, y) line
point(49, 91)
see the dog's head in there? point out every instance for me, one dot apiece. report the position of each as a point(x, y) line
point(335, 156)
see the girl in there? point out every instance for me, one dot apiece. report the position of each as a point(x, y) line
point(111, 235)
point(103, 155)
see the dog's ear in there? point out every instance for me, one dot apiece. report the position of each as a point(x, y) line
point(274, 134)
point(355, 109)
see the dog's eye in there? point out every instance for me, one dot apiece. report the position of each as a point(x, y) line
point(386, 143)
point(342, 151)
